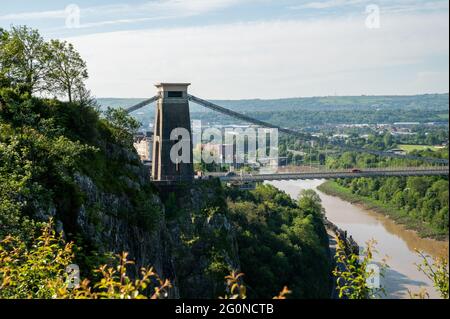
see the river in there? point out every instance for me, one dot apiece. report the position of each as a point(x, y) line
point(393, 240)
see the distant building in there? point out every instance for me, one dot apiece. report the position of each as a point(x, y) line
point(341, 136)
point(403, 133)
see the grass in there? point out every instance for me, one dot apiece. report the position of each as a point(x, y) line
point(398, 215)
point(410, 147)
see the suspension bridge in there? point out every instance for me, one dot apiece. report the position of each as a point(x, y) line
point(172, 113)
point(332, 174)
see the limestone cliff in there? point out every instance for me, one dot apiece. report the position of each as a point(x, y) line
point(192, 243)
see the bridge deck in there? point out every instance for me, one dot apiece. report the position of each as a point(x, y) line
point(441, 171)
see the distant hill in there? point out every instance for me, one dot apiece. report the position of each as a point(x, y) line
point(426, 101)
point(316, 110)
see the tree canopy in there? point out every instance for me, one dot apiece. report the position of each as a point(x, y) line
point(34, 66)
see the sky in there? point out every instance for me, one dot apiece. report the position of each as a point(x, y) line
point(236, 49)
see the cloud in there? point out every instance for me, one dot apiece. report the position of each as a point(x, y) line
point(386, 5)
point(274, 58)
point(156, 9)
point(328, 4)
point(416, 6)
point(198, 6)
point(55, 14)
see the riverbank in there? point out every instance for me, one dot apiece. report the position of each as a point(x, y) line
point(423, 230)
point(351, 247)
point(394, 242)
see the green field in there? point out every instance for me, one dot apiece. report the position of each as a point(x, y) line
point(409, 148)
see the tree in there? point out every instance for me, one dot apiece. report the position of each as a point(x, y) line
point(310, 201)
point(388, 140)
point(23, 59)
point(436, 271)
point(67, 70)
point(353, 273)
point(40, 271)
point(4, 81)
point(123, 125)
point(32, 65)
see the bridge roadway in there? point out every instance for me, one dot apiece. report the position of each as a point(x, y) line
point(369, 172)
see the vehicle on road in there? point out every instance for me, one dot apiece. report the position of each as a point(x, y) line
point(230, 174)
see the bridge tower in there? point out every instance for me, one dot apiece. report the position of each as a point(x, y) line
point(172, 112)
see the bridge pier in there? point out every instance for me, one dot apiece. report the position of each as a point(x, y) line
point(172, 131)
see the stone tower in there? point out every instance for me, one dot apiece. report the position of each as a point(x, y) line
point(172, 117)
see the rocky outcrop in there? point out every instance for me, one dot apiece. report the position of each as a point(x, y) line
point(192, 243)
point(100, 222)
point(204, 246)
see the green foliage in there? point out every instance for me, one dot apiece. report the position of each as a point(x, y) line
point(437, 272)
point(236, 288)
point(33, 168)
point(31, 65)
point(115, 284)
point(352, 273)
point(311, 201)
point(217, 268)
point(123, 125)
point(23, 59)
point(287, 240)
point(44, 145)
point(38, 270)
point(66, 70)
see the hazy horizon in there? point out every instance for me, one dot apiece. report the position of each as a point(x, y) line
point(292, 97)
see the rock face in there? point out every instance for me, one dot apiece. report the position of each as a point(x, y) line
point(192, 242)
point(204, 247)
point(183, 231)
